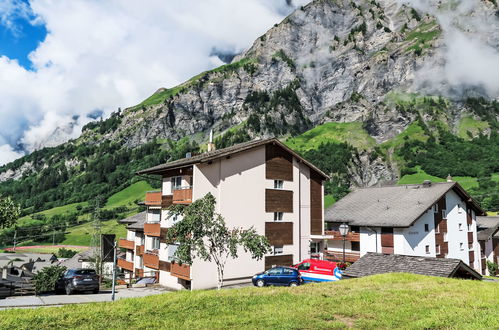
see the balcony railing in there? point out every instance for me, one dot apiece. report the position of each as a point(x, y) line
point(126, 244)
point(139, 250)
point(153, 198)
point(128, 265)
point(182, 195)
point(152, 229)
point(337, 256)
point(351, 236)
point(181, 271)
point(151, 260)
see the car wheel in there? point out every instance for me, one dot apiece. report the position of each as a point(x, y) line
point(69, 290)
point(293, 284)
point(260, 283)
point(95, 291)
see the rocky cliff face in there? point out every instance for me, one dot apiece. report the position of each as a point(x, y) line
point(332, 60)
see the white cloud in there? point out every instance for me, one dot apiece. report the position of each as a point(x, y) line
point(7, 154)
point(101, 55)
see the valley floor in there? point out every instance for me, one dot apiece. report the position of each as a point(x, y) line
point(381, 301)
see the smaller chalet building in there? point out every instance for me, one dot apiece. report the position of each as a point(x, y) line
point(488, 237)
point(261, 183)
point(430, 220)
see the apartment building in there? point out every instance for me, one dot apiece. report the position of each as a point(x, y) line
point(132, 263)
point(488, 237)
point(429, 219)
point(260, 183)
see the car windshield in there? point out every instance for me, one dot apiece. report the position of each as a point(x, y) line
point(305, 266)
point(85, 272)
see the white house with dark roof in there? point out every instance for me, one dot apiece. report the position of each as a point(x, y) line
point(261, 184)
point(488, 237)
point(429, 219)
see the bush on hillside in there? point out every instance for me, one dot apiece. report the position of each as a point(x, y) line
point(45, 279)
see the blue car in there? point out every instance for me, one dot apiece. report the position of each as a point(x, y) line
point(285, 276)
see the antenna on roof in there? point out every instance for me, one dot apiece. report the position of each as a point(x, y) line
point(211, 145)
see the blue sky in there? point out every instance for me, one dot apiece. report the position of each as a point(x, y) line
point(20, 37)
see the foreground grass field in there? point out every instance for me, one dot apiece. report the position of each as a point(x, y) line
point(382, 301)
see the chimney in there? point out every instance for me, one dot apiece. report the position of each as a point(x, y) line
point(449, 178)
point(427, 183)
point(211, 145)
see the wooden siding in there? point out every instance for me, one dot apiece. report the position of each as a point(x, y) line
point(152, 229)
point(472, 258)
point(164, 265)
point(278, 163)
point(182, 196)
point(283, 260)
point(441, 224)
point(177, 172)
point(166, 201)
point(336, 236)
point(277, 200)
point(128, 265)
point(316, 204)
point(151, 260)
point(126, 244)
point(139, 250)
point(162, 235)
point(387, 238)
point(153, 198)
point(181, 271)
point(279, 233)
point(470, 237)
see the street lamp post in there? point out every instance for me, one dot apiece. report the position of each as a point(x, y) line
point(343, 232)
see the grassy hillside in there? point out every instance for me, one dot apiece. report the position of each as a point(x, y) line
point(382, 301)
point(129, 195)
point(353, 133)
point(82, 234)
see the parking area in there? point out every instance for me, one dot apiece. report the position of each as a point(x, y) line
point(59, 300)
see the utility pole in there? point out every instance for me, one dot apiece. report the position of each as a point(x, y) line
point(114, 271)
point(15, 236)
point(53, 237)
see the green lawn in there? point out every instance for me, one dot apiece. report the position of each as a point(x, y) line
point(129, 195)
point(353, 133)
point(466, 182)
point(469, 124)
point(70, 208)
point(382, 301)
point(82, 234)
point(52, 250)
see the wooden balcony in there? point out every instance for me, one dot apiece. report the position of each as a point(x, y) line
point(166, 201)
point(182, 195)
point(153, 198)
point(139, 272)
point(139, 250)
point(152, 229)
point(181, 271)
point(337, 256)
point(126, 244)
point(128, 265)
point(336, 236)
point(151, 260)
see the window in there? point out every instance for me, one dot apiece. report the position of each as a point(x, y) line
point(355, 246)
point(445, 237)
point(154, 215)
point(444, 214)
point(470, 227)
point(176, 182)
point(435, 208)
point(278, 249)
point(426, 227)
point(155, 243)
point(437, 249)
point(278, 216)
point(459, 209)
point(314, 247)
point(142, 240)
point(437, 229)
point(427, 249)
point(274, 271)
point(304, 266)
point(141, 262)
point(461, 246)
point(460, 226)
point(278, 184)
point(470, 246)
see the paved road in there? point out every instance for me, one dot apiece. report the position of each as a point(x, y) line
point(57, 300)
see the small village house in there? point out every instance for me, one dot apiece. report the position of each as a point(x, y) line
point(430, 219)
point(488, 237)
point(260, 183)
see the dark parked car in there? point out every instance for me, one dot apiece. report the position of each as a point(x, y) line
point(278, 276)
point(81, 279)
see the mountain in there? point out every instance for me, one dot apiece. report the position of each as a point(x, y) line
point(369, 90)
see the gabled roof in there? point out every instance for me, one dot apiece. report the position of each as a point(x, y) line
point(134, 218)
point(140, 219)
point(392, 206)
point(487, 227)
point(216, 154)
point(379, 263)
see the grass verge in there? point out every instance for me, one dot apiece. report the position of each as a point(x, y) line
point(381, 301)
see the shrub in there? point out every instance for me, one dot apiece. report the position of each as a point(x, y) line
point(492, 267)
point(65, 253)
point(45, 279)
